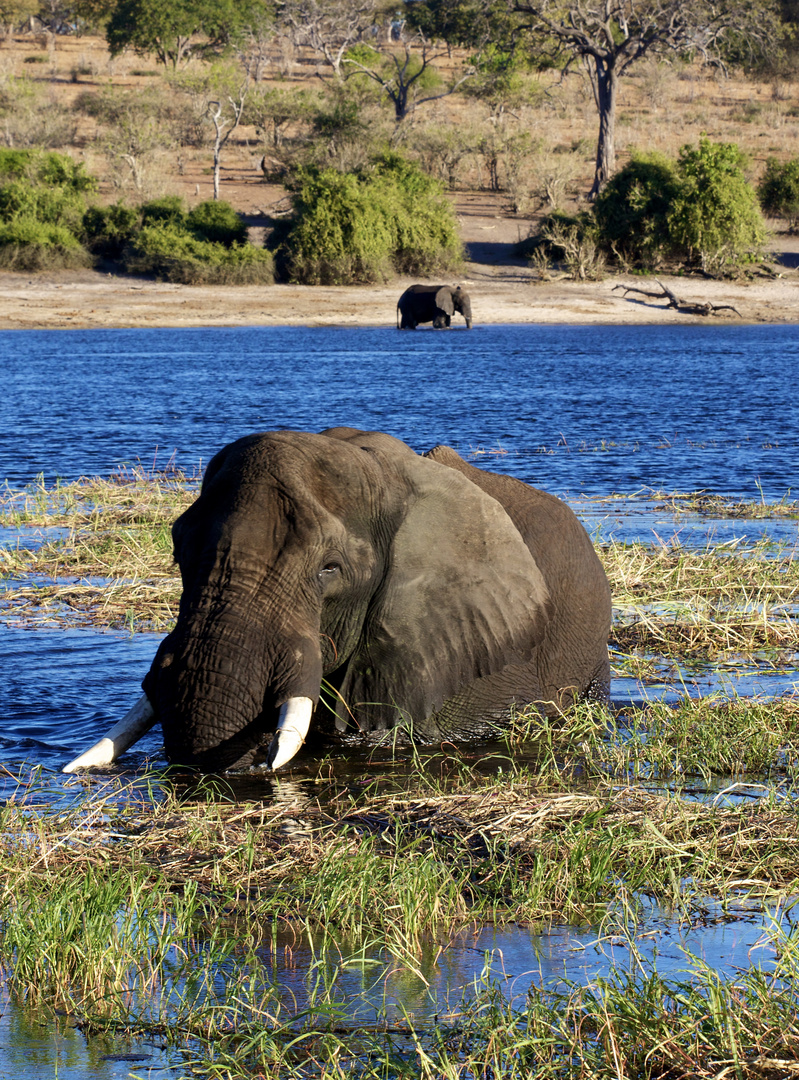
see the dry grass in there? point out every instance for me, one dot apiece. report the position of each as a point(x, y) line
point(113, 567)
point(405, 866)
point(726, 599)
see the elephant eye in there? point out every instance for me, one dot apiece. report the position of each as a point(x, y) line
point(328, 569)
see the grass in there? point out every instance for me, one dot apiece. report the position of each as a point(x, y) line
point(162, 919)
point(114, 568)
point(117, 530)
point(159, 911)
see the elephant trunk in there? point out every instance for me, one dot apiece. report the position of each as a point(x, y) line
point(218, 688)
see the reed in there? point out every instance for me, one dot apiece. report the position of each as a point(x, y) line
point(113, 567)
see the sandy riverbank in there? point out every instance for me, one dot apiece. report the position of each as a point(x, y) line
point(500, 294)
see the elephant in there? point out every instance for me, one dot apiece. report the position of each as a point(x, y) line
point(342, 583)
point(432, 303)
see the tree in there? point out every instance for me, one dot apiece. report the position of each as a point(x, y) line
point(401, 71)
point(464, 23)
point(329, 27)
point(134, 128)
point(607, 37)
point(221, 93)
point(14, 12)
point(272, 110)
point(169, 28)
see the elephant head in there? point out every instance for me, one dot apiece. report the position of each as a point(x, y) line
point(340, 580)
point(432, 303)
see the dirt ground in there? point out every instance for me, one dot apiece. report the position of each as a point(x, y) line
point(504, 289)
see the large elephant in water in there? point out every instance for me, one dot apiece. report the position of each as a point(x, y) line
point(341, 582)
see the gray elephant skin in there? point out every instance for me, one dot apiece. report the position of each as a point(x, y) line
point(432, 303)
point(392, 592)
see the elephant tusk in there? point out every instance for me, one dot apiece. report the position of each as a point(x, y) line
point(124, 734)
point(292, 727)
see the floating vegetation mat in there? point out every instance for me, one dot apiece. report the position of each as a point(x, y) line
point(161, 921)
point(113, 568)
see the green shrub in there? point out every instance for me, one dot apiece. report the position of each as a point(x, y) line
point(632, 211)
point(361, 227)
point(338, 234)
point(422, 219)
point(108, 229)
point(172, 254)
point(51, 169)
point(168, 210)
point(778, 190)
point(14, 163)
point(42, 204)
point(714, 218)
point(30, 245)
point(218, 222)
point(53, 205)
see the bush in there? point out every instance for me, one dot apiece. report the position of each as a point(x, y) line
point(30, 245)
point(173, 254)
point(778, 191)
point(632, 211)
point(359, 227)
point(51, 169)
point(217, 222)
point(714, 218)
point(168, 210)
point(108, 229)
point(53, 205)
point(42, 205)
point(421, 218)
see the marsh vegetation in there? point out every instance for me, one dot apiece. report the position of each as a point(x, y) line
point(153, 905)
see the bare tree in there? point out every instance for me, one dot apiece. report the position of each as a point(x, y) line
point(252, 42)
point(329, 27)
point(133, 129)
point(226, 117)
point(607, 36)
point(220, 94)
point(400, 71)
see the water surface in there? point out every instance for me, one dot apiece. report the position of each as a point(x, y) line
point(584, 409)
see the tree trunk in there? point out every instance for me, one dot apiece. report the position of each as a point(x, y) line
point(605, 85)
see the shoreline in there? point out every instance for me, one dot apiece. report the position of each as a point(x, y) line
point(501, 294)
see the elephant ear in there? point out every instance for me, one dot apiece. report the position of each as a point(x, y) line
point(457, 617)
point(444, 300)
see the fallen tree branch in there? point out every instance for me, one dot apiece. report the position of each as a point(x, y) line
point(685, 307)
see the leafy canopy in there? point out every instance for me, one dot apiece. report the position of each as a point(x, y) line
point(779, 190)
point(363, 226)
point(169, 28)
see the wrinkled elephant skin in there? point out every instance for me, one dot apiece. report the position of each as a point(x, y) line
point(342, 583)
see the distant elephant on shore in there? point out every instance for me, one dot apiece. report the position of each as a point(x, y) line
point(342, 583)
point(432, 303)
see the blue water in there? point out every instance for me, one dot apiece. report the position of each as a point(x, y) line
point(585, 410)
